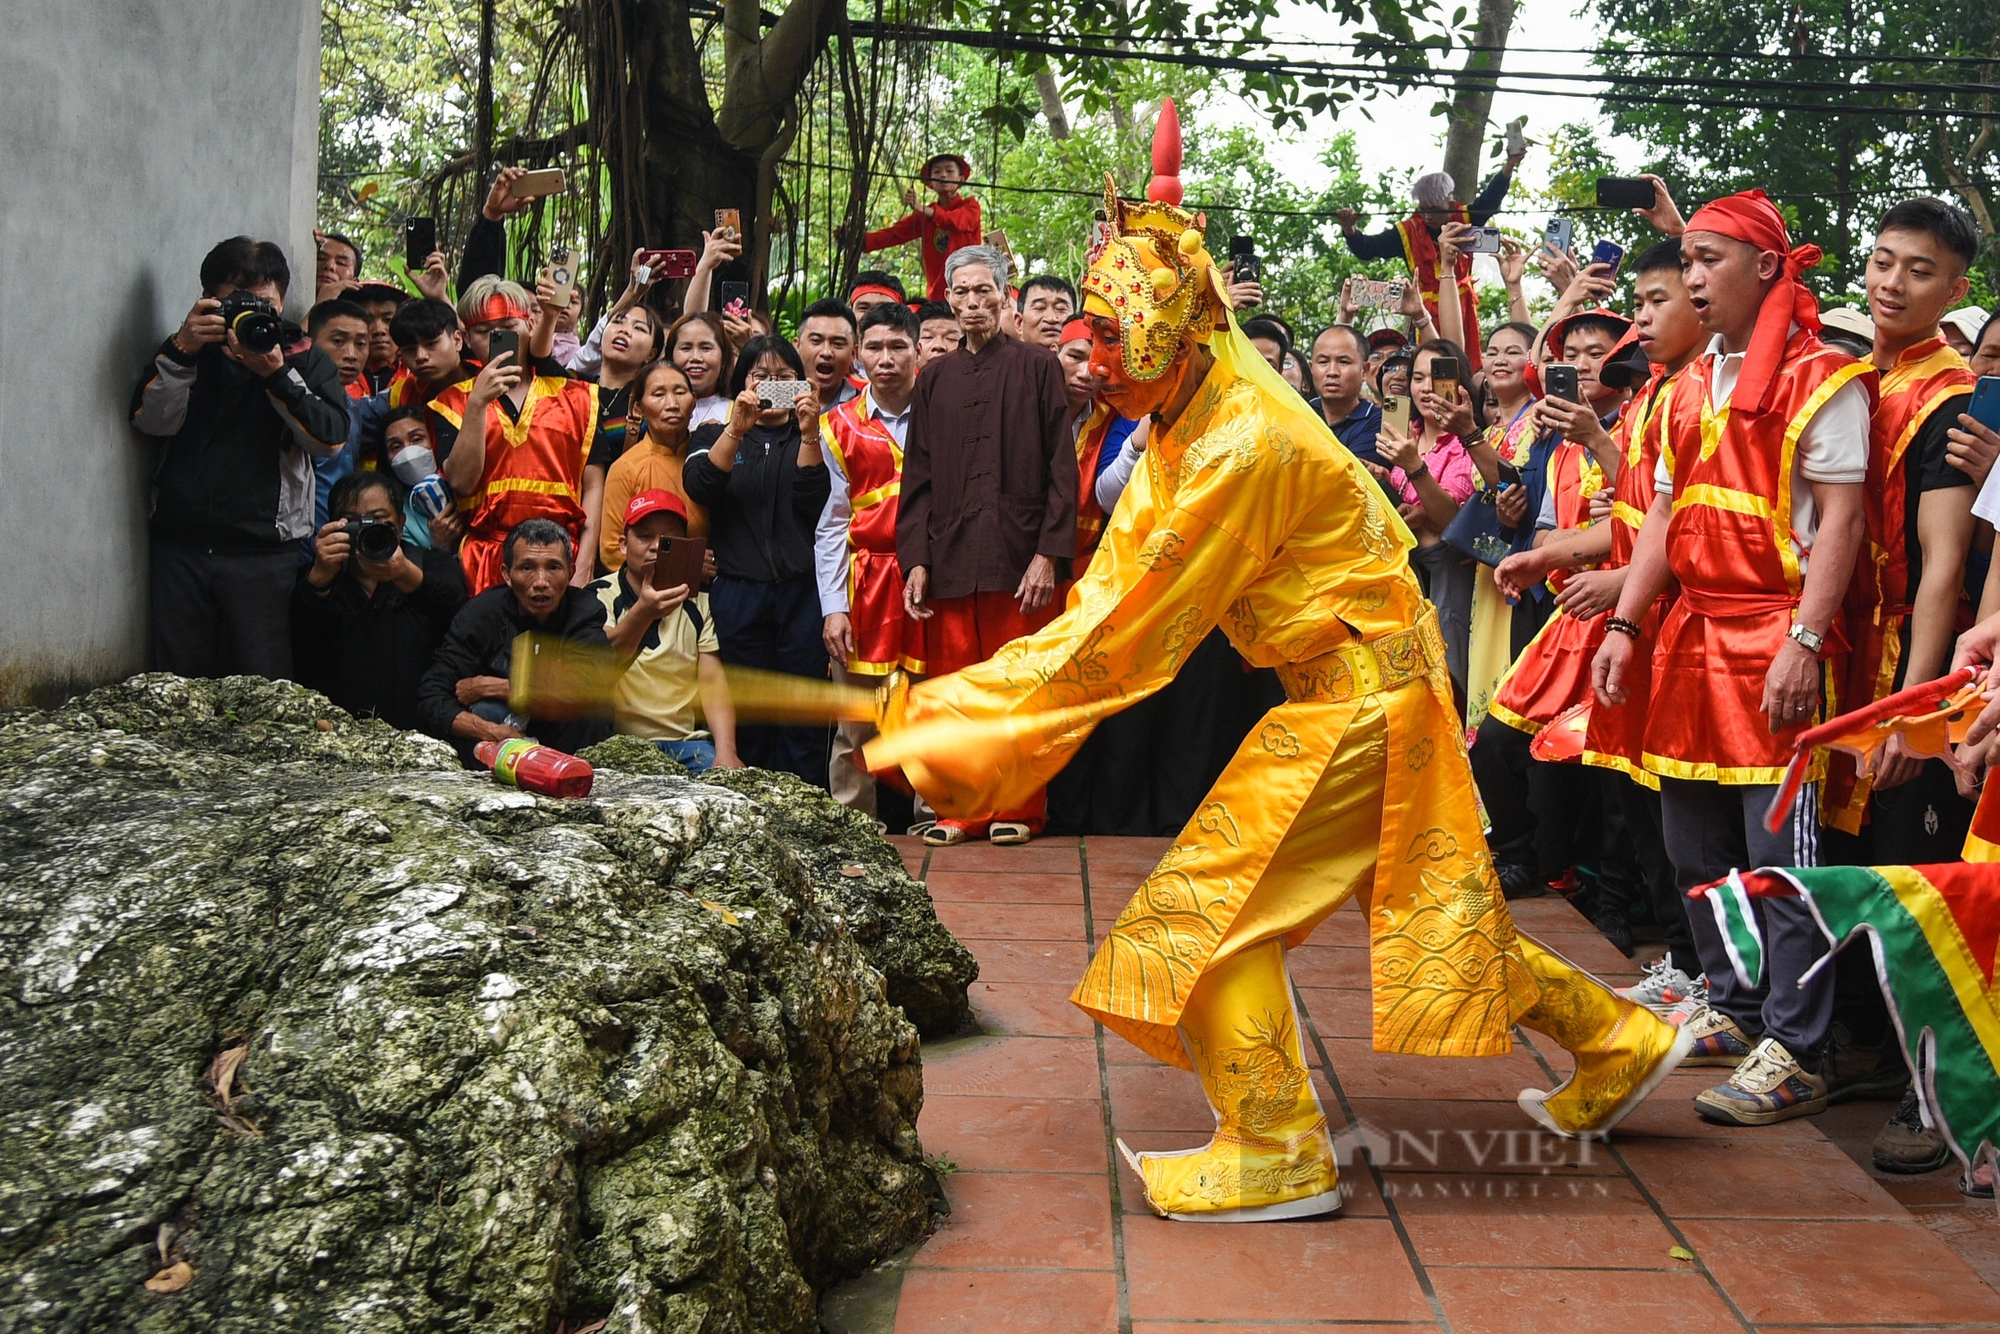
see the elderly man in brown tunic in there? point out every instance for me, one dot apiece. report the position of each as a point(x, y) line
point(987, 523)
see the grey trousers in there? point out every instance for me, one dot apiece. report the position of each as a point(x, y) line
point(1447, 580)
point(1711, 830)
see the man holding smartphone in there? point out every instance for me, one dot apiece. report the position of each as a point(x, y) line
point(521, 437)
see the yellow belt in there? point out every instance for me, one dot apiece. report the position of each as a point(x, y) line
point(1360, 670)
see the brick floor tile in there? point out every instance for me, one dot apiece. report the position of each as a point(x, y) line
point(1325, 1269)
point(1158, 1097)
point(1366, 1073)
point(1261, 1327)
point(1596, 1222)
point(1756, 1178)
point(1339, 1012)
point(1024, 1134)
point(1022, 1220)
point(1005, 887)
point(1031, 960)
point(1012, 921)
point(1117, 1051)
point(970, 1301)
point(1451, 1137)
point(1330, 966)
point(1035, 858)
point(1029, 1009)
point(1601, 1301)
point(1012, 1068)
point(1891, 1272)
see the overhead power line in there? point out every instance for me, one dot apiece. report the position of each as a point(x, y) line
point(1425, 77)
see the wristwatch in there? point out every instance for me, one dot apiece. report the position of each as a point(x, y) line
point(1811, 640)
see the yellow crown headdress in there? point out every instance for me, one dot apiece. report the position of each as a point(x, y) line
point(1154, 276)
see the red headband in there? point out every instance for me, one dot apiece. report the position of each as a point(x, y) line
point(1753, 219)
point(874, 289)
point(495, 308)
point(1075, 329)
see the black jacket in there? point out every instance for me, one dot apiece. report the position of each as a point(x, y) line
point(481, 643)
point(236, 473)
point(762, 512)
point(369, 654)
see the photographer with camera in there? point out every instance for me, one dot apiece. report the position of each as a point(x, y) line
point(242, 404)
point(371, 609)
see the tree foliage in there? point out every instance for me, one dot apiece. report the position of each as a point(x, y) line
point(1833, 151)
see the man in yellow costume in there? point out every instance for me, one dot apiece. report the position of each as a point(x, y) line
point(1248, 514)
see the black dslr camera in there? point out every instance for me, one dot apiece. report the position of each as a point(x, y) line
point(255, 323)
point(375, 540)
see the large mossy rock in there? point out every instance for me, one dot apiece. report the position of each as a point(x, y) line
point(316, 1031)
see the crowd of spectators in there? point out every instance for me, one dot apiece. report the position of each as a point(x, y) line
point(381, 503)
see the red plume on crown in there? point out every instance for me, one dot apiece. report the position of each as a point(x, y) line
point(1165, 187)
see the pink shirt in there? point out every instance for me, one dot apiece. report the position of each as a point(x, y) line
point(1449, 464)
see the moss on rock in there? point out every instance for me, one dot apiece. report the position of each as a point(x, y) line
point(368, 1042)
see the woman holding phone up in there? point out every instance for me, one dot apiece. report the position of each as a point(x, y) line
point(1434, 475)
point(764, 482)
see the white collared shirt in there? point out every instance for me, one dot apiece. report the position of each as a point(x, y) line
point(830, 554)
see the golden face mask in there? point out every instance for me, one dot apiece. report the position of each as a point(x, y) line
point(1156, 280)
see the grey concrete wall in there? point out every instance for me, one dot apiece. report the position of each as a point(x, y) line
point(134, 134)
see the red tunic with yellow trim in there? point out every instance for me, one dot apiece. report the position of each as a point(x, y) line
point(1420, 249)
point(885, 638)
point(1616, 736)
point(1982, 839)
point(1090, 516)
point(1730, 544)
point(534, 467)
point(1878, 607)
point(1553, 671)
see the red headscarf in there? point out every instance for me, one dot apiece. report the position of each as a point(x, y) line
point(1075, 329)
point(1752, 218)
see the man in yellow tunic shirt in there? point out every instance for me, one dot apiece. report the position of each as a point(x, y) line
point(1248, 514)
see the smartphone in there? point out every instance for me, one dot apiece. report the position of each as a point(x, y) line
point(1608, 252)
point(1396, 412)
point(1445, 373)
point(1509, 474)
point(420, 238)
point(1561, 382)
point(672, 263)
point(782, 393)
point(1485, 241)
point(503, 340)
point(538, 183)
point(1985, 405)
point(735, 299)
point(562, 274)
point(729, 222)
point(678, 563)
point(1560, 235)
point(1243, 254)
point(1626, 192)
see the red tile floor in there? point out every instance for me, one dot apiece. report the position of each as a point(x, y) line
point(1467, 1220)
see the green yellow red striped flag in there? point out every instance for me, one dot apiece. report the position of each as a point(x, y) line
point(1933, 932)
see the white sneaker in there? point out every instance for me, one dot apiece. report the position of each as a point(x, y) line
point(1689, 1005)
point(1663, 987)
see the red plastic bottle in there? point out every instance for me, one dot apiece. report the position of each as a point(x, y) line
point(519, 762)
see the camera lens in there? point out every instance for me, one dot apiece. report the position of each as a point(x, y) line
point(373, 540)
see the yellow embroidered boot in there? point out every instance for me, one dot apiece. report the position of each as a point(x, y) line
point(1272, 1155)
point(1622, 1049)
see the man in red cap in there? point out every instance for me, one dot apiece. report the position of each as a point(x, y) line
point(945, 224)
point(1759, 515)
point(672, 691)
